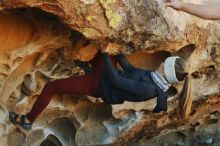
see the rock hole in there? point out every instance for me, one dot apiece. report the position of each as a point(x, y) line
point(213, 52)
point(211, 72)
point(40, 14)
point(51, 140)
point(17, 60)
point(64, 129)
point(28, 86)
point(197, 75)
point(5, 68)
point(3, 76)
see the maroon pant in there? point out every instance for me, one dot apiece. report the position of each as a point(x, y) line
point(87, 85)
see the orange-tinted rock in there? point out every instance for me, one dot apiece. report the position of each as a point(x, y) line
point(38, 47)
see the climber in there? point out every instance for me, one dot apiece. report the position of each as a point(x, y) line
point(209, 11)
point(113, 85)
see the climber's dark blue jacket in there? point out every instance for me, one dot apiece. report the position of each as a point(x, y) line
point(130, 84)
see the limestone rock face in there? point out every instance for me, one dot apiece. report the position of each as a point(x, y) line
point(41, 39)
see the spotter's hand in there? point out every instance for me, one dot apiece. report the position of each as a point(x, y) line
point(175, 4)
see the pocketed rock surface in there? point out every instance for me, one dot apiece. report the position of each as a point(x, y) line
point(41, 39)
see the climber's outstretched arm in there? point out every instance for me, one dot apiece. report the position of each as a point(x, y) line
point(124, 63)
point(209, 11)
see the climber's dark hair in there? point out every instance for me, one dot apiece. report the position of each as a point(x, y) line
point(180, 69)
point(185, 95)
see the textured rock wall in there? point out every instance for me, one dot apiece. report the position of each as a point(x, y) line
point(41, 39)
